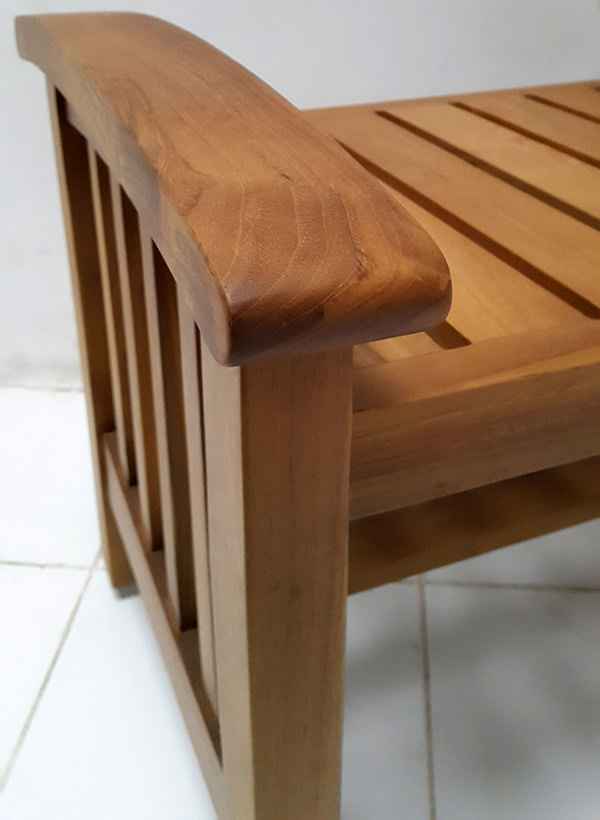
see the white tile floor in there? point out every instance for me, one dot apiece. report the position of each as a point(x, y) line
point(473, 693)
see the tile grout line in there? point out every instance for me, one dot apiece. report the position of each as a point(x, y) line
point(513, 586)
point(36, 565)
point(31, 715)
point(427, 697)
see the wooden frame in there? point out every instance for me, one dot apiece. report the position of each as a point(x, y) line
point(261, 445)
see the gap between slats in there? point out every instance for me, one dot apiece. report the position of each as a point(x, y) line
point(165, 359)
point(485, 109)
point(127, 233)
point(531, 271)
point(563, 107)
point(195, 437)
point(111, 296)
point(490, 168)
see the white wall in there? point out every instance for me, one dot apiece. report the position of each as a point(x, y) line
point(315, 53)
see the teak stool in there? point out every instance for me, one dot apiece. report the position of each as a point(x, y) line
point(263, 440)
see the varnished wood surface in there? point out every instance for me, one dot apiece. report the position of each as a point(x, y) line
point(92, 327)
point(279, 240)
point(508, 186)
point(272, 240)
point(277, 455)
point(404, 542)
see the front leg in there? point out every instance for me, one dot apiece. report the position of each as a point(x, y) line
point(278, 449)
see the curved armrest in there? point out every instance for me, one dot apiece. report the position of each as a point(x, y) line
point(280, 240)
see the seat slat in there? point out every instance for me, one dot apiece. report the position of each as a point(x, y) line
point(557, 128)
point(554, 249)
point(578, 98)
point(561, 180)
point(490, 298)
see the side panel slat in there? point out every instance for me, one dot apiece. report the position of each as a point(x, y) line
point(165, 358)
point(76, 195)
point(194, 427)
point(111, 294)
point(127, 232)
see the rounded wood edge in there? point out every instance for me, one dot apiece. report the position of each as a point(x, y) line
point(354, 266)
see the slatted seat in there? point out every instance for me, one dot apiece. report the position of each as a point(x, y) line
point(507, 184)
point(281, 407)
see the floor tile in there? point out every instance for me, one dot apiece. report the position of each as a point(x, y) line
point(108, 741)
point(47, 504)
point(569, 557)
point(35, 605)
point(515, 703)
point(385, 757)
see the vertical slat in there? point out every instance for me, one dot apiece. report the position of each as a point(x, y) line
point(129, 254)
point(111, 295)
point(277, 453)
point(76, 195)
point(194, 426)
point(165, 361)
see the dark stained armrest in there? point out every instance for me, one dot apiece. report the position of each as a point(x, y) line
point(281, 242)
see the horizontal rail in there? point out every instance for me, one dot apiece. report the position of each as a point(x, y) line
point(401, 543)
point(447, 422)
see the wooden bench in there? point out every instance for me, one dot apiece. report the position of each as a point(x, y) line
point(266, 433)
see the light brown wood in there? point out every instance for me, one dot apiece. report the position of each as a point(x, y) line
point(490, 297)
point(553, 249)
point(167, 391)
point(194, 430)
point(396, 545)
point(236, 233)
point(557, 178)
point(390, 350)
point(76, 196)
point(277, 450)
point(448, 422)
point(576, 98)
point(551, 126)
point(211, 156)
point(179, 650)
point(127, 235)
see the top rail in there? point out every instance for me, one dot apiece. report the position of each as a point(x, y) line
point(280, 241)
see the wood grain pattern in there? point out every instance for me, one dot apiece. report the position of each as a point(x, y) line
point(490, 297)
point(213, 158)
point(277, 449)
point(547, 246)
point(76, 197)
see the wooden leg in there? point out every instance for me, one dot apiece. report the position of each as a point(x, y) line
point(277, 449)
point(76, 194)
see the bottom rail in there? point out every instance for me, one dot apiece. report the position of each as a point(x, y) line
point(179, 651)
point(395, 545)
